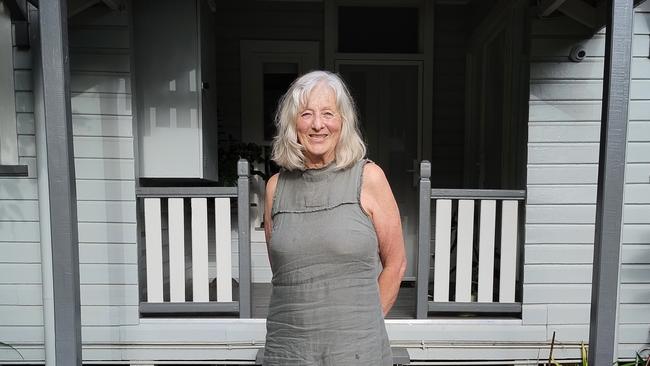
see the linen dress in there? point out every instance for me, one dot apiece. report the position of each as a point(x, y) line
point(324, 307)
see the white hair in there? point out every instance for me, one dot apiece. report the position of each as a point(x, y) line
point(287, 152)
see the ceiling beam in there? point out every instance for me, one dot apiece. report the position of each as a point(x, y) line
point(546, 7)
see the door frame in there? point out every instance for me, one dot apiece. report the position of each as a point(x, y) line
point(333, 58)
point(254, 53)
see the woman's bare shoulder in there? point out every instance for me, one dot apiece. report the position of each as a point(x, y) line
point(373, 176)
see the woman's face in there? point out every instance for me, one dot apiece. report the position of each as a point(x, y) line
point(319, 126)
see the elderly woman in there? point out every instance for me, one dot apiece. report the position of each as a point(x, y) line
point(330, 216)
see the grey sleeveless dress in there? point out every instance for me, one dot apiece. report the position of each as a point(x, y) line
point(324, 307)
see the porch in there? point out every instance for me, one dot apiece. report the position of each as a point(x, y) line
point(469, 245)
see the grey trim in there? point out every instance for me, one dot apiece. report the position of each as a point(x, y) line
point(43, 194)
point(424, 238)
point(243, 221)
point(611, 179)
point(474, 307)
point(143, 192)
point(472, 194)
point(189, 307)
point(63, 198)
point(400, 356)
point(13, 171)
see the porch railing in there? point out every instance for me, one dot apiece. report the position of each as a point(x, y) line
point(475, 249)
point(180, 218)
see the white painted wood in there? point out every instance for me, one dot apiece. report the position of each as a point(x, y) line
point(18, 189)
point(102, 125)
point(23, 80)
point(637, 193)
point(101, 232)
point(105, 190)
point(634, 314)
point(19, 210)
point(554, 213)
point(223, 242)
point(200, 279)
point(100, 82)
point(92, 168)
point(103, 147)
point(562, 194)
point(20, 252)
point(21, 294)
point(20, 273)
point(25, 123)
point(557, 293)
point(508, 270)
point(558, 273)
point(637, 173)
point(109, 295)
point(153, 235)
point(635, 234)
point(92, 316)
point(559, 153)
point(24, 102)
point(442, 251)
point(176, 249)
point(101, 103)
point(564, 131)
point(21, 315)
point(464, 251)
point(560, 234)
point(638, 152)
point(635, 254)
point(106, 211)
point(486, 251)
point(559, 254)
point(107, 253)
point(635, 293)
point(635, 273)
point(19, 231)
point(27, 145)
point(108, 274)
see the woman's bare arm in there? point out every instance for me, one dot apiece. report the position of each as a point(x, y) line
point(378, 201)
point(268, 205)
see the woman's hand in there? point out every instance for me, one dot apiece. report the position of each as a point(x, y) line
point(378, 201)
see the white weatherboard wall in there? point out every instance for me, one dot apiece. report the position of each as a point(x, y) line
point(100, 84)
point(21, 300)
point(634, 312)
point(564, 127)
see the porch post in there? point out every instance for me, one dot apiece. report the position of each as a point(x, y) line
point(424, 239)
point(53, 17)
point(611, 170)
point(243, 221)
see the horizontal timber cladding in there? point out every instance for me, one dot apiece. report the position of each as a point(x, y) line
point(564, 134)
point(634, 309)
point(21, 295)
point(102, 119)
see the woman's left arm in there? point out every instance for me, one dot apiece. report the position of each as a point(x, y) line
point(378, 201)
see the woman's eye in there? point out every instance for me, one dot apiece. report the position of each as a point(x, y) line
point(328, 115)
point(305, 115)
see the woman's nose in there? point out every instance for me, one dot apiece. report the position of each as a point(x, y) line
point(317, 122)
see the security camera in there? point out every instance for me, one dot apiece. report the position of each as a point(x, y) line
point(577, 53)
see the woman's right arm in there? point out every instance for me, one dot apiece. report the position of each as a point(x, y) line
point(268, 205)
